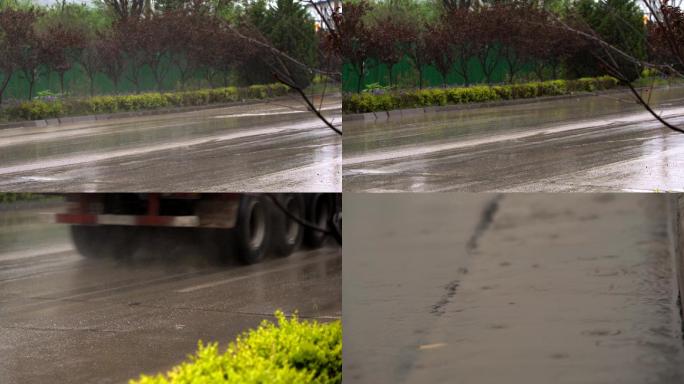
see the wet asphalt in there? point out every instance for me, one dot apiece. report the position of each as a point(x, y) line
point(514, 288)
point(600, 143)
point(67, 319)
point(276, 146)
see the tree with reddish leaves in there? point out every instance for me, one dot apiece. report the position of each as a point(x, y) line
point(666, 36)
point(355, 45)
point(439, 50)
point(16, 33)
point(458, 32)
point(130, 35)
point(485, 39)
point(186, 45)
point(417, 47)
point(61, 46)
point(513, 34)
point(111, 58)
point(389, 37)
point(155, 36)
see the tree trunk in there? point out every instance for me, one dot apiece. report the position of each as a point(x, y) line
point(5, 82)
point(61, 82)
point(420, 77)
point(362, 69)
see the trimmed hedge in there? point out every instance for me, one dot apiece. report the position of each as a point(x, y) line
point(290, 351)
point(40, 109)
point(372, 102)
point(11, 197)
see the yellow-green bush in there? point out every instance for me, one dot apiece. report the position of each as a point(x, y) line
point(39, 109)
point(291, 351)
point(386, 101)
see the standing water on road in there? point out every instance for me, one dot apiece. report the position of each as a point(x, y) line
point(446, 288)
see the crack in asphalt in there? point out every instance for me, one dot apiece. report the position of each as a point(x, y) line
point(486, 219)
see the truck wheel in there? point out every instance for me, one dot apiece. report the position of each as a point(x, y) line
point(320, 212)
point(253, 231)
point(87, 240)
point(287, 233)
point(100, 242)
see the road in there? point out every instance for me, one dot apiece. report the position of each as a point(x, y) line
point(597, 143)
point(512, 288)
point(265, 147)
point(66, 319)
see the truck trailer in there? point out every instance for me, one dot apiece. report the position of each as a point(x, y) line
point(243, 224)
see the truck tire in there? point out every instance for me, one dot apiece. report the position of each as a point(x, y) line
point(94, 241)
point(287, 233)
point(87, 240)
point(319, 213)
point(253, 232)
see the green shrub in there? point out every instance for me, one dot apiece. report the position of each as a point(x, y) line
point(11, 197)
point(372, 102)
point(290, 351)
point(44, 109)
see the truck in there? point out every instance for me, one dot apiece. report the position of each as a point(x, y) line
point(248, 225)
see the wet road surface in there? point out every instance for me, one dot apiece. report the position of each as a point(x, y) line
point(595, 143)
point(67, 319)
point(531, 288)
point(275, 146)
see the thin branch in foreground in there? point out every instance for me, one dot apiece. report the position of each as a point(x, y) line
point(309, 103)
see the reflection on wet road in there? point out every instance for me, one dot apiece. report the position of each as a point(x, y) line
point(67, 319)
point(274, 146)
point(531, 288)
point(592, 143)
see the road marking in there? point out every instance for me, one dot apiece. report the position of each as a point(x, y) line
point(244, 277)
point(94, 157)
point(431, 346)
point(411, 151)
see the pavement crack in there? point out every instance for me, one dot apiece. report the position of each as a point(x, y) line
point(486, 219)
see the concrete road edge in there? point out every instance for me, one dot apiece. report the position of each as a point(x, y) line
point(676, 231)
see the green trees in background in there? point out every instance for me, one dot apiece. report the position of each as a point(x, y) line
point(619, 23)
point(459, 37)
point(132, 42)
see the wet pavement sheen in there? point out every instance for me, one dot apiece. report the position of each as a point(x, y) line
point(67, 319)
point(582, 144)
point(272, 147)
point(515, 288)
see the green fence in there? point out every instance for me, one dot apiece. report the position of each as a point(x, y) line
point(77, 83)
point(405, 75)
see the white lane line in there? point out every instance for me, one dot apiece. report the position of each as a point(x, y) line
point(245, 277)
point(81, 159)
point(424, 150)
point(288, 112)
point(29, 253)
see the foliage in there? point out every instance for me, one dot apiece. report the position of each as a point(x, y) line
point(620, 24)
point(369, 102)
point(463, 37)
point(290, 28)
point(291, 351)
point(11, 197)
point(45, 108)
point(203, 40)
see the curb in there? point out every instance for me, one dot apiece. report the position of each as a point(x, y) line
point(123, 115)
point(395, 114)
point(675, 228)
